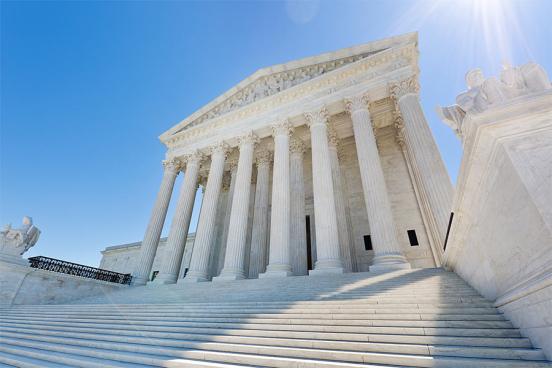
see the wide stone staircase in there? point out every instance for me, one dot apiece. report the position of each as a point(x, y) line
point(416, 318)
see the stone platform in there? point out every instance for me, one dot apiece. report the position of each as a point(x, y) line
point(416, 318)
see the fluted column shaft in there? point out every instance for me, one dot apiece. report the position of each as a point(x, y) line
point(227, 213)
point(153, 232)
point(327, 237)
point(430, 172)
point(278, 260)
point(181, 222)
point(383, 232)
point(234, 267)
point(199, 265)
point(298, 237)
point(259, 239)
point(342, 227)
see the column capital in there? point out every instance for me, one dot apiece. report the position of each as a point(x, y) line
point(172, 165)
point(355, 103)
point(248, 138)
point(233, 164)
point(263, 157)
point(333, 139)
point(316, 117)
point(219, 147)
point(296, 145)
point(282, 128)
point(401, 88)
point(194, 157)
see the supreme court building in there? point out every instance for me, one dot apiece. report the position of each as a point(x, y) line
point(320, 165)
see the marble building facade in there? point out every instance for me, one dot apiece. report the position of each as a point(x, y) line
point(321, 165)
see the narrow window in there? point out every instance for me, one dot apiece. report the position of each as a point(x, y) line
point(413, 238)
point(367, 242)
point(309, 245)
point(154, 275)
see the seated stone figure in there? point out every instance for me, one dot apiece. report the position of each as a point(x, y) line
point(483, 93)
point(15, 242)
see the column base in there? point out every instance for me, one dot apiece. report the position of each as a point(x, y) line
point(138, 281)
point(387, 263)
point(192, 277)
point(229, 276)
point(276, 271)
point(326, 271)
point(163, 280)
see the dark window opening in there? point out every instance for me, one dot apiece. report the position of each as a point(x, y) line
point(367, 242)
point(448, 230)
point(412, 238)
point(309, 256)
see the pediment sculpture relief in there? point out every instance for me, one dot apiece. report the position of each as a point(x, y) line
point(484, 92)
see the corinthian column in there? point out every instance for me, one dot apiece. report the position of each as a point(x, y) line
point(227, 212)
point(181, 222)
point(430, 174)
point(342, 229)
point(327, 237)
point(298, 237)
point(383, 233)
point(259, 237)
point(199, 265)
point(234, 268)
point(278, 260)
point(153, 232)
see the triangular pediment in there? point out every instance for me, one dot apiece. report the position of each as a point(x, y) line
point(269, 81)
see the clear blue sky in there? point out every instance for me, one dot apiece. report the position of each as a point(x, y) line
point(86, 88)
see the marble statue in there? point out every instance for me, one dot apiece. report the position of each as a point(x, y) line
point(484, 92)
point(15, 242)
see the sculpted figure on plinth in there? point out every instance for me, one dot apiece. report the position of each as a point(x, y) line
point(484, 93)
point(15, 242)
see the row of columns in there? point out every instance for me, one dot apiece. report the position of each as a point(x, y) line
point(287, 250)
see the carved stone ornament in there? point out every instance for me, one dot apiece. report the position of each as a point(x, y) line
point(296, 145)
point(408, 86)
point(172, 165)
point(355, 103)
point(484, 93)
point(333, 139)
point(399, 129)
point(263, 157)
point(316, 117)
point(15, 242)
point(219, 148)
point(282, 128)
point(273, 84)
point(195, 157)
point(248, 138)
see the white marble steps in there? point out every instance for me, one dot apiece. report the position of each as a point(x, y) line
point(418, 318)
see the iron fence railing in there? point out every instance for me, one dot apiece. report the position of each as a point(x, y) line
point(69, 268)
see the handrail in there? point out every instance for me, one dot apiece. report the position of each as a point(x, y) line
point(70, 268)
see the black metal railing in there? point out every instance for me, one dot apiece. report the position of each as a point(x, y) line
point(70, 268)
